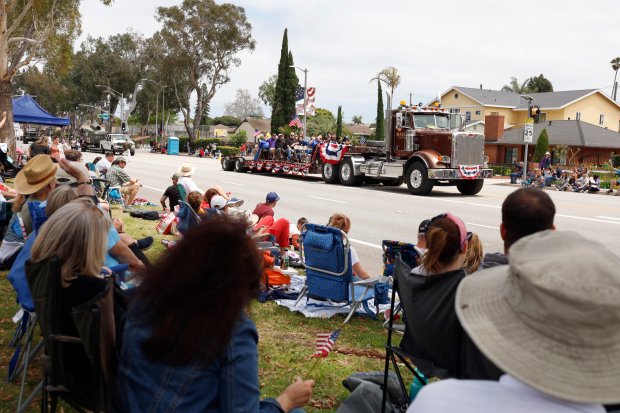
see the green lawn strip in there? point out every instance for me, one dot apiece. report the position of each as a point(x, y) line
point(286, 342)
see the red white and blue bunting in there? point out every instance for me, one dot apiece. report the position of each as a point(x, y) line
point(333, 152)
point(469, 172)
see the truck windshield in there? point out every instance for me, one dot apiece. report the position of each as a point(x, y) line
point(431, 121)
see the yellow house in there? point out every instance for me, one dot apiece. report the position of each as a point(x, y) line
point(589, 105)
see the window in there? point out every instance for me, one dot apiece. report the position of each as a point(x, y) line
point(494, 113)
point(456, 110)
point(601, 119)
point(467, 116)
point(478, 113)
point(578, 116)
point(511, 155)
point(456, 96)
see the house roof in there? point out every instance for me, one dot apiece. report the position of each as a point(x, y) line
point(565, 132)
point(229, 129)
point(360, 129)
point(547, 100)
point(263, 125)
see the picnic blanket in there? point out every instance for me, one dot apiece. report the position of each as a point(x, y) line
point(316, 308)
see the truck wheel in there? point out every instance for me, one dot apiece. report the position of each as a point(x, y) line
point(347, 176)
point(132, 152)
point(239, 165)
point(470, 187)
point(227, 164)
point(417, 179)
point(102, 150)
point(392, 182)
point(330, 173)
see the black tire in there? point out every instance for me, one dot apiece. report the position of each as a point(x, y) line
point(239, 165)
point(417, 179)
point(346, 174)
point(330, 173)
point(392, 182)
point(103, 150)
point(227, 164)
point(470, 187)
point(132, 152)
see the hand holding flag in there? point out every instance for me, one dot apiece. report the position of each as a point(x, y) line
point(295, 122)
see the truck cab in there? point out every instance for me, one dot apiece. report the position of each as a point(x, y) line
point(114, 142)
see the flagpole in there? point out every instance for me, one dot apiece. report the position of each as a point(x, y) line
point(305, 101)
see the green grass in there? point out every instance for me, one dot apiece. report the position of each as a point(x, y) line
point(286, 343)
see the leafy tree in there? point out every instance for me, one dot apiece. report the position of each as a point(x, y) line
point(244, 105)
point(239, 138)
point(225, 120)
point(539, 84)
point(202, 55)
point(615, 65)
point(267, 90)
point(380, 131)
point(339, 123)
point(322, 123)
point(542, 146)
point(515, 86)
point(33, 30)
point(356, 119)
point(390, 77)
point(283, 107)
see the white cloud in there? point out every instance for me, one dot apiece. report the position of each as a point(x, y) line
point(433, 44)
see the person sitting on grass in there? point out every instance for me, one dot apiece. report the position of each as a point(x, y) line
point(118, 177)
point(342, 222)
point(295, 234)
point(104, 165)
point(518, 172)
point(583, 183)
point(475, 253)
point(194, 199)
point(174, 193)
point(193, 329)
point(594, 184)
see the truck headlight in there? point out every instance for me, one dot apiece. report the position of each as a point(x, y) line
point(443, 159)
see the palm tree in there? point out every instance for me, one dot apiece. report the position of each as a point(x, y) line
point(390, 77)
point(514, 86)
point(615, 65)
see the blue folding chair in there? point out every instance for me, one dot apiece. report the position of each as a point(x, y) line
point(114, 196)
point(326, 255)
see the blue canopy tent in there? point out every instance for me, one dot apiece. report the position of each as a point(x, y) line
point(26, 110)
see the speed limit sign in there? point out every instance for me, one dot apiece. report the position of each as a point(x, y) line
point(528, 133)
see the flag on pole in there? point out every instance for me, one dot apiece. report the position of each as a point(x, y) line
point(299, 93)
point(295, 122)
point(324, 343)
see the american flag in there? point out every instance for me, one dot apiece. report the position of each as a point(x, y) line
point(299, 93)
point(324, 343)
point(295, 122)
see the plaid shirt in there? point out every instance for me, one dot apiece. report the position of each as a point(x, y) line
point(117, 176)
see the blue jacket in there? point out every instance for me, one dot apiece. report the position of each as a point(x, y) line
point(229, 384)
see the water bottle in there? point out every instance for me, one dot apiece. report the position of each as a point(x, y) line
point(416, 386)
point(285, 260)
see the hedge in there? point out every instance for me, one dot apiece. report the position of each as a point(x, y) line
point(499, 170)
point(198, 143)
point(228, 150)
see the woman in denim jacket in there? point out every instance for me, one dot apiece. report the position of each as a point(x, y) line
point(188, 345)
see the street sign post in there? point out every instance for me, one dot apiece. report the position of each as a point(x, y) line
point(103, 116)
point(528, 137)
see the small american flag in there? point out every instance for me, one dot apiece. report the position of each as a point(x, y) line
point(324, 343)
point(299, 93)
point(295, 122)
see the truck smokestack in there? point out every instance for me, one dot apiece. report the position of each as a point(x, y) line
point(480, 86)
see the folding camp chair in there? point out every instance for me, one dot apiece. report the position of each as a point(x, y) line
point(434, 341)
point(114, 196)
point(187, 218)
point(101, 187)
point(79, 369)
point(326, 255)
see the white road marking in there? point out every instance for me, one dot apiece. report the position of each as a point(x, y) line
point(588, 219)
point(232, 183)
point(327, 199)
point(615, 219)
point(480, 225)
point(467, 203)
point(154, 189)
point(368, 244)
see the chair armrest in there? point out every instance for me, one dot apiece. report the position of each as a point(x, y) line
point(368, 283)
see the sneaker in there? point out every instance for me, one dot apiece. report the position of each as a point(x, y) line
point(145, 243)
point(609, 191)
point(235, 202)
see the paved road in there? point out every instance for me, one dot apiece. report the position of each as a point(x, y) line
point(377, 212)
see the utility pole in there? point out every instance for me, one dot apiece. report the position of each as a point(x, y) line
point(305, 96)
point(528, 131)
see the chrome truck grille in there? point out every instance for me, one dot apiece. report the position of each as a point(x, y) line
point(467, 149)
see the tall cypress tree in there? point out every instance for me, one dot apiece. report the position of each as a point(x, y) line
point(293, 82)
point(380, 129)
point(279, 109)
point(339, 123)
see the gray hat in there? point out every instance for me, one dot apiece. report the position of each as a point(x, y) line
point(120, 159)
point(176, 176)
point(549, 319)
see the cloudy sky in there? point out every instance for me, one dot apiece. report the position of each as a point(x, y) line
point(434, 45)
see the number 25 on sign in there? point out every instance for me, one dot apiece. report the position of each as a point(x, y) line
point(528, 132)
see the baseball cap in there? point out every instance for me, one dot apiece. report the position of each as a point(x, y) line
point(176, 175)
point(218, 202)
point(272, 197)
point(120, 159)
point(423, 228)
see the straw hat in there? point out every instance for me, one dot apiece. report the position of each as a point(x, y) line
point(186, 169)
point(550, 319)
point(38, 172)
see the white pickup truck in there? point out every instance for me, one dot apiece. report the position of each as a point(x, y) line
point(114, 142)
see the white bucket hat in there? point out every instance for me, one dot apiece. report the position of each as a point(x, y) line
point(550, 319)
point(186, 169)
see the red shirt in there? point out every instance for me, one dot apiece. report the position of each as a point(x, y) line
point(263, 210)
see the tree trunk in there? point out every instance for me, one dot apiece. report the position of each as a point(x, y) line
point(7, 133)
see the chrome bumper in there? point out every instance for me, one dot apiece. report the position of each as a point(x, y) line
point(456, 174)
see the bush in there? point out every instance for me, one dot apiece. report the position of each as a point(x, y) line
point(542, 146)
point(228, 150)
point(239, 138)
point(615, 160)
point(499, 170)
point(198, 143)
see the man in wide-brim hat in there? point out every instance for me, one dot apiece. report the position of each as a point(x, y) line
point(550, 321)
point(36, 180)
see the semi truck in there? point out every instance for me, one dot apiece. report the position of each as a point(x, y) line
point(424, 147)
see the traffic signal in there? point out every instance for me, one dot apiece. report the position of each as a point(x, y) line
point(124, 126)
